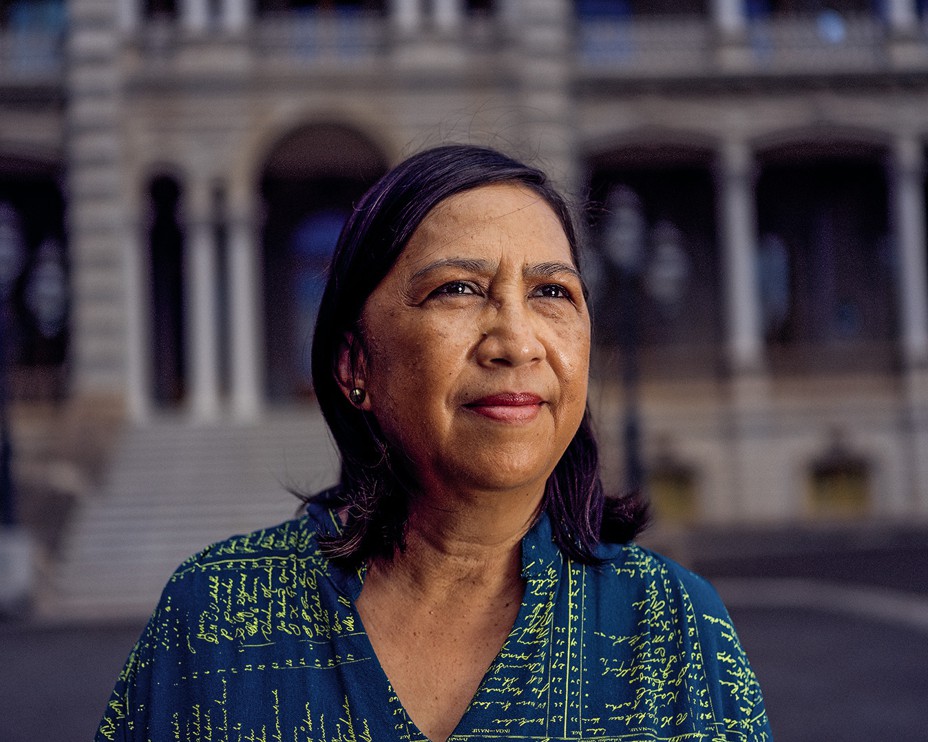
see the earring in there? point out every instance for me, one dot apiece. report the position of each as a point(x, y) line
point(357, 396)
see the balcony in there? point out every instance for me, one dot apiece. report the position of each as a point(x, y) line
point(688, 47)
point(648, 47)
point(31, 58)
point(323, 39)
point(340, 42)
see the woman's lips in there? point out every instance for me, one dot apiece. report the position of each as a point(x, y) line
point(510, 407)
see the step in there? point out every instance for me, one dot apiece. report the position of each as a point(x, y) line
point(171, 489)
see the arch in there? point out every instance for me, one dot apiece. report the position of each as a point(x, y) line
point(247, 172)
point(322, 150)
point(652, 144)
point(164, 237)
point(822, 140)
point(309, 182)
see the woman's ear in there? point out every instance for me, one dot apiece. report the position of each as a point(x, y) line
point(350, 372)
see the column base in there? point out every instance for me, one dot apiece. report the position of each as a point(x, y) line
point(907, 50)
point(17, 571)
point(916, 383)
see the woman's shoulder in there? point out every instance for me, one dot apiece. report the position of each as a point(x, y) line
point(641, 565)
point(670, 614)
point(294, 542)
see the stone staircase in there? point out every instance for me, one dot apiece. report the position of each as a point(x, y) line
point(173, 487)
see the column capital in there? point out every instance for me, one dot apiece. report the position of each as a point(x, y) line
point(447, 14)
point(236, 15)
point(129, 13)
point(902, 17)
point(735, 161)
point(194, 15)
point(736, 156)
point(730, 18)
point(197, 203)
point(405, 16)
point(908, 156)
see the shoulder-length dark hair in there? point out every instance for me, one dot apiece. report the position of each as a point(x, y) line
point(374, 481)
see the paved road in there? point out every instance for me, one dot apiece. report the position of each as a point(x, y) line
point(838, 659)
point(55, 681)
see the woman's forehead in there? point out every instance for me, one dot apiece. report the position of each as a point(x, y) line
point(492, 220)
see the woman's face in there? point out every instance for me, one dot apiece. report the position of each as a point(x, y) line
point(476, 344)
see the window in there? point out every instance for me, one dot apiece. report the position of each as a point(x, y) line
point(839, 488)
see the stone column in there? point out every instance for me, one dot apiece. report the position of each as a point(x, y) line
point(543, 46)
point(729, 18)
point(446, 15)
point(908, 210)
point(406, 16)
point(236, 15)
point(902, 17)
point(202, 314)
point(752, 480)
point(130, 12)
point(738, 231)
point(138, 322)
point(909, 225)
point(245, 321)
point(194, 15)
point(97, 203)
point(905, 44)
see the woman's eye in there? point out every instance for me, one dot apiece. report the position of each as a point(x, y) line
point(552, 291)
point(454, 288)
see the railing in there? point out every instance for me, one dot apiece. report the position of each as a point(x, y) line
point(31, 56)
point(648, 47)
point(342, 38)
point(339, 40)
point(811, 44)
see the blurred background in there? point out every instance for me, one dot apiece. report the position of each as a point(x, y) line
point(173, 176)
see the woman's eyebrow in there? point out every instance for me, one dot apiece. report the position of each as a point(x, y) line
point(473, 265)
point(547, 270)
point(468, 264)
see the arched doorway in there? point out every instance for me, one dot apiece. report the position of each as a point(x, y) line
point(310, 182)
point(826, 258)
point(675, 265)
point(166, 261)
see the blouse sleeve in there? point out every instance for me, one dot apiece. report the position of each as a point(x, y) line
point(734, 686)
point(155, 677)
point(125, 717)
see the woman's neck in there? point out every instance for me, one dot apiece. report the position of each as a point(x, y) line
point(466, 544)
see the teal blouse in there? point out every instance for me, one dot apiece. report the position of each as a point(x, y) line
point(257, 639)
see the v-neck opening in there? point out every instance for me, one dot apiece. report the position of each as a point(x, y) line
point(536, 545)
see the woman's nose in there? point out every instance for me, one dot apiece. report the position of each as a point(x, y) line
point(510, 337)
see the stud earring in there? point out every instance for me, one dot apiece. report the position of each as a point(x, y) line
point(357, 396)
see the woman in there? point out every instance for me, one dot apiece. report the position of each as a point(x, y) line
point(466, 579)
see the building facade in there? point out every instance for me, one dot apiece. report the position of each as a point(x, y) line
point(190, 162)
